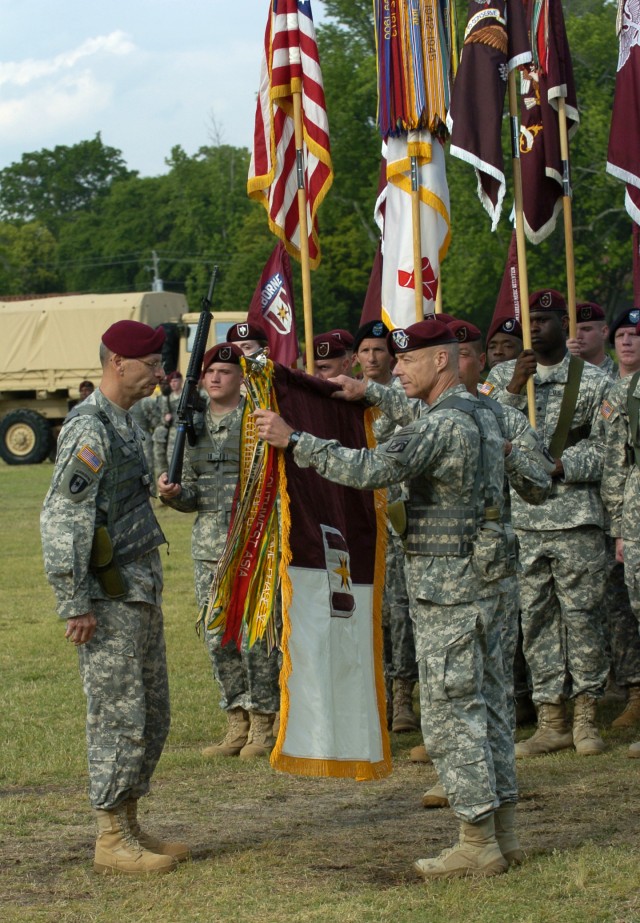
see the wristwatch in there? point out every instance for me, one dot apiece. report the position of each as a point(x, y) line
point(294, 438)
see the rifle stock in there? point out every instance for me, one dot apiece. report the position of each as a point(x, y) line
point(190, 400)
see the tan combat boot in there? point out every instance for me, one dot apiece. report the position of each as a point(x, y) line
point(235, 738)
point(119, 853)
point(586, 736)
point(260, 741)
point(419, 754)
point(634, 751)
point(553, 733)
point(477, 853)
point(404, 718)
point(179, 851)
point(506, 835)
point(436, 797)
point(630, 717)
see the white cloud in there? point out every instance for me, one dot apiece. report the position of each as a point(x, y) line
point(68, 100)
point(22, 73)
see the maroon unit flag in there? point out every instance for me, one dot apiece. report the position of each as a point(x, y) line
point(272, 307)
point(372, 307)
point(333, 712)
point(495, 41)
point(623, 157)
point(550, 77)
point(291, 64)
point(508, 307)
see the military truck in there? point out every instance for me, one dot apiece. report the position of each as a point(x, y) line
point(49, 345)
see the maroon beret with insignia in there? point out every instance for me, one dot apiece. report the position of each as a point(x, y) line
point(221, 352)
point(328, 346)
point(344, 335)
point(246, 331)
point(419, 336)
point(464, 331)
point(173, 375)
point(131, 339)
point(548, 300)
point(509, 325)
point(587, 311)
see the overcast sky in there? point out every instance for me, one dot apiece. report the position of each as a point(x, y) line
point(147, 74)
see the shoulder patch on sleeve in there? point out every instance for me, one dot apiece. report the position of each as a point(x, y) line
point(486, 388)
point(90, 458)
point(606, 409)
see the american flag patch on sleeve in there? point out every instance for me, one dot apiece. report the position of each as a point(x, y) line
point(606, 409)
point(486, 388)
point(89, 457)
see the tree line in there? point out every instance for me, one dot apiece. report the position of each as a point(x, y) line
point(76, 219)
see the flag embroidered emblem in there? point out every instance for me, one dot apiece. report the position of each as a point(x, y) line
point(486, 388)
point(606, 409)
point(89, 457)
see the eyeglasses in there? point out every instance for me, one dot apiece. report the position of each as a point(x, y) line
point(154, 366)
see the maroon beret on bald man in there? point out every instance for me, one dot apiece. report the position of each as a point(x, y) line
point(131, 339)
point(422, 335)
point(328, 346)
point(221, 352)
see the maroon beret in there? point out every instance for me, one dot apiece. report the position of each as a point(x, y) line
point(344, 335)
point(587, 311)
point(509, 325)
point(548, 300)
point(419, 336)
point(246, 331)
point(221, 352)
point(328, 346)
point(173, 375)
point(464, 331)
point(131, 339)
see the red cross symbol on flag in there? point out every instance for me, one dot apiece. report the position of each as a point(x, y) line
point(429, 281)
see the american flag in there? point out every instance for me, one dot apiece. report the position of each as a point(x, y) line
point(291, 64)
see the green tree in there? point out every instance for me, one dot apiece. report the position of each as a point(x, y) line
point(27, 259)
point(51, 185)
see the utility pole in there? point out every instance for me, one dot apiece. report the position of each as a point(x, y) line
point(156, 284)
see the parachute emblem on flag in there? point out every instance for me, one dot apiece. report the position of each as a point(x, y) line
point(338, 565)
point(275, 304)
point(429, 281)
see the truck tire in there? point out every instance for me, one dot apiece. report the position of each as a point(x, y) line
point(25, 438)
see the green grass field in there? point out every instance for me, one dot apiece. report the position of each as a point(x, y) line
point(267, 847)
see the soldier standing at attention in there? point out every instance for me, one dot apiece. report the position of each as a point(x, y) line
point(100, 541)
point(248, 679)
point(452, 457)
point(562, 548)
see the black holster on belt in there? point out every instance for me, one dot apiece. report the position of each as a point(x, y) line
point(103, 566)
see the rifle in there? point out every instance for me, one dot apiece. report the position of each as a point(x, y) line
point(190, 400)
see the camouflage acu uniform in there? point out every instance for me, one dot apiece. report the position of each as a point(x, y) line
point(621, 494)
point(397, 625)
point(146, 413)
point(164, 435)
point(100, 478)
point(248, 678)
point(456, 633)
point(562, 551)
point(620, 625)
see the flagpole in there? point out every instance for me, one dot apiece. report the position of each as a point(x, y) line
point(568, 217)
point(439, 293)
point(417, 237)
point(523, 281)
point(304, 232)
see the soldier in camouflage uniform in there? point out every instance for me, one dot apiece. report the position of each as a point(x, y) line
point(620, 472)
point(401, 668)
point(146, 414)
point(164, 435)
point(562, 549)
point(100, 541)
point(453, 594)
point(248, 679)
